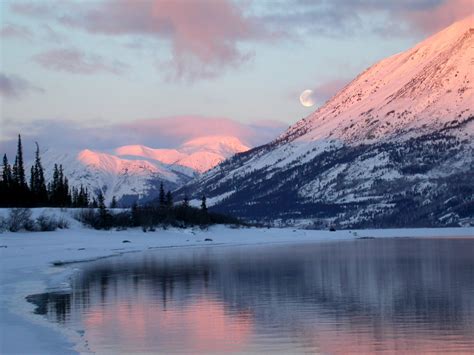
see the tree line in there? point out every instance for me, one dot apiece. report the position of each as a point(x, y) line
point(15, 191)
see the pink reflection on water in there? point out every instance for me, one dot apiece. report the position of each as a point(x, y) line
point(203, 326)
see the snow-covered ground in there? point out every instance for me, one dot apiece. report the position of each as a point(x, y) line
point(27, 266)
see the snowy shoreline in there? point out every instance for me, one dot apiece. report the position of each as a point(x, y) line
point(32, 263)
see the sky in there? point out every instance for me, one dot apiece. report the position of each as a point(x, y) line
point(101, 73)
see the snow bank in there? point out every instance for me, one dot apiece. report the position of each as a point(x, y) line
point(27, 264)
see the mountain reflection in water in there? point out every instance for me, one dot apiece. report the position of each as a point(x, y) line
point(364, 296)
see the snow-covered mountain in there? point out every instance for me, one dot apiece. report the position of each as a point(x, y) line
point(394, 147)
point(135, 172)
point(199, 154)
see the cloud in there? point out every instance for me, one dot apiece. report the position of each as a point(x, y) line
point(341, 17)
point(12, 86)
point(441, 15)
point(167, 132)
point(204, 36)
point(15, 31)
point(75, 61)
point(328, 89)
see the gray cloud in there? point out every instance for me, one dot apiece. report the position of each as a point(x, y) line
point(15, 31)
point(13, 86)
point(77, 62)
point(340, 17)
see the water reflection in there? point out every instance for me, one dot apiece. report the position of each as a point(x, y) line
point(397, 295)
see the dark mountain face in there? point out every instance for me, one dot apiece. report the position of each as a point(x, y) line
point(416, 194)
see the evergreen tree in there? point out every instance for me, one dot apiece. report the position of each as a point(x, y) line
point(203, 204)
point(169, 200)
point(83, 197)
point(204, 218)
point(66, 197)
point(162, 197)
point(94, 203)
point(6, 172)
point(135, 215)
point(100, 200)
point(104, 216)
point(54, 187)
point(113, 204)
point(19, 187)
point(19, 169)
point(186, 200)
point(75, 197)
point(37, 181)
point(61, 188)
point(6, 184)
point(32, 182)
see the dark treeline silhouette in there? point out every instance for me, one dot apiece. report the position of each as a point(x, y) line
point(162, 213)
point(16, 192)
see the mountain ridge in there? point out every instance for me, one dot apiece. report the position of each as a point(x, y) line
point(406, 121)
point(134, 172)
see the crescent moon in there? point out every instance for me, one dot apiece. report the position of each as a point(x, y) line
point(306, 99)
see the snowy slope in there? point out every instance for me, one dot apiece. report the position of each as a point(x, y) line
point(136, 171)
point(199, 154)
point(399, 135)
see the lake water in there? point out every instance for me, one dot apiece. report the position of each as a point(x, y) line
point(364, 296)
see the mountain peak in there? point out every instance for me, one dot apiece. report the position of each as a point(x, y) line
point(423, 87)
point(389, 149)
point(226, 145)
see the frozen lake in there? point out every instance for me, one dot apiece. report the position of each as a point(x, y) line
point(361, 296)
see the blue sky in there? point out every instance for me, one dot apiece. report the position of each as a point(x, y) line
point(95, 63)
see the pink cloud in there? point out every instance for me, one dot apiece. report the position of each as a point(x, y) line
point(204, 36)
point(441, 15)
point(15, 31)
point(179, 129)
point(77, 62)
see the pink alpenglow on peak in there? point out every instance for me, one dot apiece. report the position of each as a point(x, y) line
point(113, 164)
point(137, 170)
point(199, 154)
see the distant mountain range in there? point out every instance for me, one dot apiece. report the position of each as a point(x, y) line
point(134, 172)
point(395, 147)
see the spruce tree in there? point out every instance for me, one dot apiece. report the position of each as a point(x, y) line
point(6, 172)
point(19, 170)
point(6, 184)
point(203, 204)
point(66, 198)
point(75, 197)
point(54, 187)
point(113, 204)
point(135, 215)
point(38, 182)
point(104, 216)
point(20, 191)
point(204, 217)
point(186, 200)
point(162, 197)
point(94, 203)
point(169, 200)
point(32, 182)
